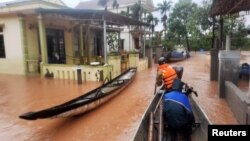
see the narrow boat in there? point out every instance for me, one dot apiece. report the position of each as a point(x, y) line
point(153, 127)
point(177, 56)
point(172, 59)
point(86, 102)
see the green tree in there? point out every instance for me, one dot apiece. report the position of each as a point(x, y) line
point(105, 2)
point(137, 11)
point(126, 13)
point(180, 20)
point(164, 8)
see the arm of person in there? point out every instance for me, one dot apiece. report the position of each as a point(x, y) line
point(159, 80)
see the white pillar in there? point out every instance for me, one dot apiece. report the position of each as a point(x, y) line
point(228, 42)
point(81, 42)
point(144, 43)
point(42, 38)
point(23, 43)
point(129, 38)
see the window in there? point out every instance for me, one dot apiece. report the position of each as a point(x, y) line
point(2, 48)
point(121, 44)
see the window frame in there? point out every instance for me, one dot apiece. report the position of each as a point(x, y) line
point(2, 47)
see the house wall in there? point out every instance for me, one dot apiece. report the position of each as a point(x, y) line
point(14, 61)
point(128, 40)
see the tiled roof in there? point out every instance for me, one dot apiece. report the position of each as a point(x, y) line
point(224, 7)
point(91, 15)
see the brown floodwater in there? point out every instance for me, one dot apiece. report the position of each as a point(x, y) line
point(116, 120)
point(197, 74)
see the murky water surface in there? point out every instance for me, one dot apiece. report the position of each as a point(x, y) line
point(116, 120)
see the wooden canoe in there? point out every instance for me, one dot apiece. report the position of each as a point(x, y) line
point(87, 101)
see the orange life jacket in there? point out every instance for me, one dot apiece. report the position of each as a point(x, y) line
point(168, 75)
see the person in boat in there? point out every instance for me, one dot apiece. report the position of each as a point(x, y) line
point(177, 112)
point(166, 74)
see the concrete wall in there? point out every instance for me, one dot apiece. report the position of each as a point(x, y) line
point(115, 61)
point(133, 59)
point(143, 64)
point(238, 102)
point(14, 61)
point(69, 72)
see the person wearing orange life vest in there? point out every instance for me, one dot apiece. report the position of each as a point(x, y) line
point(166, 74)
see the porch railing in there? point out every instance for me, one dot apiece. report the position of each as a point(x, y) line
point(69, 72)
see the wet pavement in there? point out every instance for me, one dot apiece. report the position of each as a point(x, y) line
point(116, 120)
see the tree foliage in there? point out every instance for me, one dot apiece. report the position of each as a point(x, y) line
point(164, 7)
point(180, 21)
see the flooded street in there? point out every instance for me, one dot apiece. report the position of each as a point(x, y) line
point(116, 120)
point(197, 74)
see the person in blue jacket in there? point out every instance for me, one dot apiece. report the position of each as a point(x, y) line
point(178, 112)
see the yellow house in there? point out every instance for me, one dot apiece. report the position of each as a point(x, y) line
point(36, 36)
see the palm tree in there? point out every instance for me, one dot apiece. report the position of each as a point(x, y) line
point(163, 8)
point(105, 2)
point(136, 11)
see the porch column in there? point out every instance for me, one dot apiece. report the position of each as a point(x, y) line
point(105, 41)
point(221, 33)
point(144, 43)
point(42, 39)
point(81, 44)
point(214, 56)
point(118, 42)
point(23, 42)
point(129, 37)
point(88, 44)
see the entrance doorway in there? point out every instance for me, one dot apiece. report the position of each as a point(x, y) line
point(55, 46)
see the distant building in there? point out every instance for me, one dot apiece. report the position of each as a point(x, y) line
point(130, 38)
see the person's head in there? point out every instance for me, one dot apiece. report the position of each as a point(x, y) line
point(161, 60)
